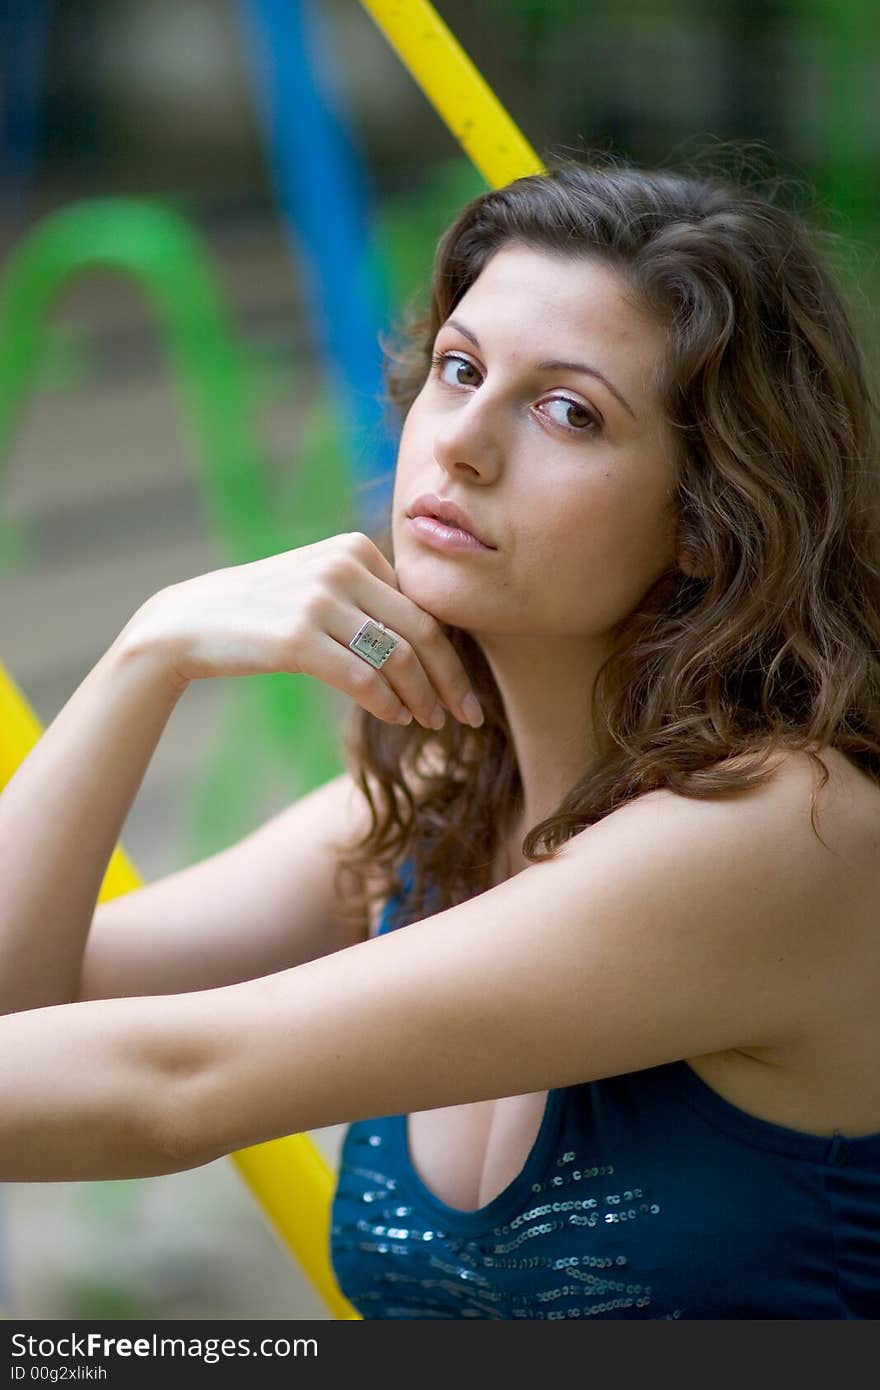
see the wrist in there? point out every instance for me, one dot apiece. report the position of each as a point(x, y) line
point(144, 644)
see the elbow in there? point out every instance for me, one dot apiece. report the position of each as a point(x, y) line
point(175, 1146)
point(180, 1135)
point(191, 1074)
point(174, 1052)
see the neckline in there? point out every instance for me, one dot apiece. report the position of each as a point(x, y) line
point(511, 1195)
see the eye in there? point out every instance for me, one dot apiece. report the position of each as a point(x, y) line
point(440, 360)
point(589, 422)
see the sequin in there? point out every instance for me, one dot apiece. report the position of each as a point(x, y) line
point(492, 1273)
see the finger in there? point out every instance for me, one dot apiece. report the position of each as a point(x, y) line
point(422, 638)
point(402, 669)
point(367, 553)
point(346, 671)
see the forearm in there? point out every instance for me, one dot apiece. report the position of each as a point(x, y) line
point(88, 1091)
point(61, 815)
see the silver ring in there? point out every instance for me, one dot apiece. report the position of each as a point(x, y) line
point(374, 643)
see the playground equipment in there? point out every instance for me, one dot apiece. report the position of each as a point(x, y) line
point(289, 1177)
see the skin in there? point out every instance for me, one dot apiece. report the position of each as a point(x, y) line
point(576, 494)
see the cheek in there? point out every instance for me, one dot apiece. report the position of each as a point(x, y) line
point(411, 450)
point(634, 543)
point(562, 522)
point(609, 534)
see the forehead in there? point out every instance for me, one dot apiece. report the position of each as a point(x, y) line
point(538, 304)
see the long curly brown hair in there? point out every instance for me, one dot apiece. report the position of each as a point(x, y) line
point(771, 639)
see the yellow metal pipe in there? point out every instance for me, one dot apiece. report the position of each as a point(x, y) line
point(455, 89)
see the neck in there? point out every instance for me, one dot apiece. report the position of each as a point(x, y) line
point(546, 686)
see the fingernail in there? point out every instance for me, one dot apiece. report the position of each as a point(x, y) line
point(437, 717)
point(470, 708)
point(405, 716)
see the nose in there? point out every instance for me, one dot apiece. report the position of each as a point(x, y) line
point(470, 441)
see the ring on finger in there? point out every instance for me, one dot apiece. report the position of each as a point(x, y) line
point(373, 643)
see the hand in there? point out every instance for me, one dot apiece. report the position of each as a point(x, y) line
point(296, 612)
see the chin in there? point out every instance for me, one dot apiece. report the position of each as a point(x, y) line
point(457, 606)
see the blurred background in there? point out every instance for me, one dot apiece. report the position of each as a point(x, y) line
point(209, 210)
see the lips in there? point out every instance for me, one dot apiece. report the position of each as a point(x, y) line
point(430, 505)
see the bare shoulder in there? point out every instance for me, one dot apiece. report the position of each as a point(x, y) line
point(792, 861)
point(824, 1078)
point(843, 807)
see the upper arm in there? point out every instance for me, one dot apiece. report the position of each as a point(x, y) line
point(266, 903)
point(671, 929)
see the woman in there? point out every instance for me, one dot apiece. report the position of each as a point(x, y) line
point(634, 554)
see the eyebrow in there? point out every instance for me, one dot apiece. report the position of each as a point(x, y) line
point(552, 365)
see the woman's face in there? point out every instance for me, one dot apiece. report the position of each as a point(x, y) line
point(570, 476)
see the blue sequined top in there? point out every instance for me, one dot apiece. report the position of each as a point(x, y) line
point(645, 1195)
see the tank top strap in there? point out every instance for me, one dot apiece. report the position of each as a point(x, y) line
point(392, 912)
point(395, 907)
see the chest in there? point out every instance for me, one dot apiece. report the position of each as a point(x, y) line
point(468, 1154)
